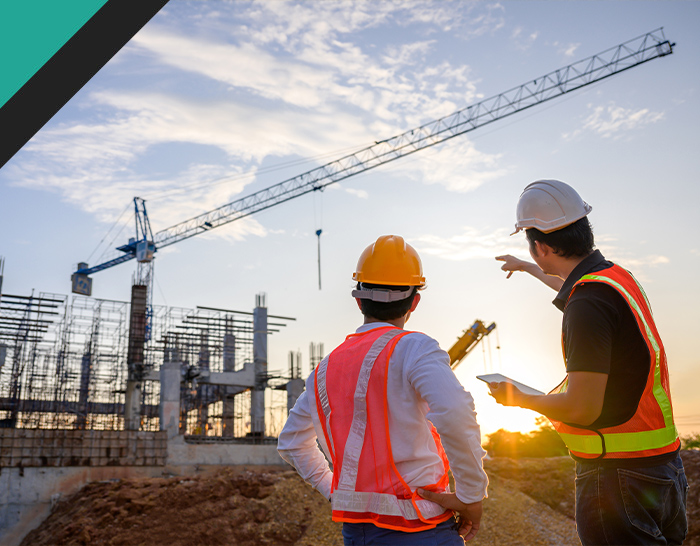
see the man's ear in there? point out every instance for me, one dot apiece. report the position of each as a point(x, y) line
point(416, 300)
point(543, 249)
point(359, 303)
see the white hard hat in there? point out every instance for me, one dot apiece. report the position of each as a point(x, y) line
point(549, 205)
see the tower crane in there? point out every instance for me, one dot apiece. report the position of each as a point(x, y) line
point(542, 89)
point(143, 247)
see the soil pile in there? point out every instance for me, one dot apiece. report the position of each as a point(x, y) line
point(531, 501)
point(247, 509)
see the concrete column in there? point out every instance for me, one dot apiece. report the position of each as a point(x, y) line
point(257, 396)
point(294, 389)
point(228, 413)
point(132, 406)
point(204, 390)
point(169, 410)
point(135, 361)
point(83, 393)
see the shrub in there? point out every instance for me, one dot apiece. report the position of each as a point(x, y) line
point(692, 441)
point(543, 442)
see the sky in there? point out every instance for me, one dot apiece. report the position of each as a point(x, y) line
point(213, 100)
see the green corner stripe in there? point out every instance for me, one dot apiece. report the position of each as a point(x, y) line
point(86, 39)
point(31, 32)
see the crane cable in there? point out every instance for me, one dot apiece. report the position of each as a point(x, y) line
point(319, 223)
point(108, 232)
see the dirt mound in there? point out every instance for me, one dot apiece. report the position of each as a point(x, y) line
point(549, 481)
point(531, 501)
point(247, 509)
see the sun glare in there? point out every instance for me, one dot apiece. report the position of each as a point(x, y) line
point(492, 416)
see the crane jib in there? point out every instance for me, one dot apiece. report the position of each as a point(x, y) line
point(542, 89)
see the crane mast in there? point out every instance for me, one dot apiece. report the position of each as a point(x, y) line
point(537, 91)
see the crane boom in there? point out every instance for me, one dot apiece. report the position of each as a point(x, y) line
point(552, 85)
point(467, 341)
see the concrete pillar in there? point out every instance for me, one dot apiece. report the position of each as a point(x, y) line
point(228, 413)
point(294, 389)
point(135, 361)
point(169, 410)
point(132, 405)
point(204, 390)
point(83, 393)
point(3, 354)
point(257, 395)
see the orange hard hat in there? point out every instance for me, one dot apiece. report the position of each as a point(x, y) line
point(390, 261)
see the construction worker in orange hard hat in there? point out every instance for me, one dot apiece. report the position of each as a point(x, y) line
point(391, 417)
point(613, 410)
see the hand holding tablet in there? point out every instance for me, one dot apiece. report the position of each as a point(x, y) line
point(498, 378)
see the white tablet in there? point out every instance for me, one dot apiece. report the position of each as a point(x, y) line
point(498, 378)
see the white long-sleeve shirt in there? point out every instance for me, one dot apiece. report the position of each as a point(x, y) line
point(421, 386)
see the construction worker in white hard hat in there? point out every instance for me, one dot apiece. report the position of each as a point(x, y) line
point(391, 417)
point(613, 410)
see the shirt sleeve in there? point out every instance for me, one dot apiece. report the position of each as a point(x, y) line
point(453, 414)
point(589, 324)
point(297, 445)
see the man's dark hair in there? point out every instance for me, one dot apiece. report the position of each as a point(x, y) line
point(386, 311)
point(574, 240)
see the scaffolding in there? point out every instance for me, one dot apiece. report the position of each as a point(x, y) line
point(64, 364)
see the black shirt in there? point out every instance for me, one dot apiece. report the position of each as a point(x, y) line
point(600, 334)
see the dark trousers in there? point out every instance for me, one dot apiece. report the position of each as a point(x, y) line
point(367, 534)
point(620, 506)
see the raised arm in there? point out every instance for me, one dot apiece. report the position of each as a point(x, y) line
point(516, 264)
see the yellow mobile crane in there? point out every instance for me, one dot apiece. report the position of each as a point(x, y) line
point(467, 341)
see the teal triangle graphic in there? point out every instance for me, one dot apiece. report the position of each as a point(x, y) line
point(31, 32)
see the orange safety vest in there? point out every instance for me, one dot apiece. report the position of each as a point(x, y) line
point(367, 487)
point(651, 430)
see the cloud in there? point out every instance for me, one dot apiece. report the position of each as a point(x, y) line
point(471, 244)
point(638, 263)
point(362, 194)
point(523, 40)
point(456, 165)
point(209, 91)
point(615, 121)
point(482, 243)
point(472, 19)
point(568, 50)
point(322, 74)
point(285, 22)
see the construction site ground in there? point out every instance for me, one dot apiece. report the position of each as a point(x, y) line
point(531, 501)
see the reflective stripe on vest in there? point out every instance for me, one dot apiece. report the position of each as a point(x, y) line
point(621, 441)
point(589, 443)
point(383, 503)
point(323, 397)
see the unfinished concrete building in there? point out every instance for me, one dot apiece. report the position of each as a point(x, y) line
point(89, 384)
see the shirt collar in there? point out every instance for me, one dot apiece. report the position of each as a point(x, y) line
point(587, 264)
point(372, 326)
